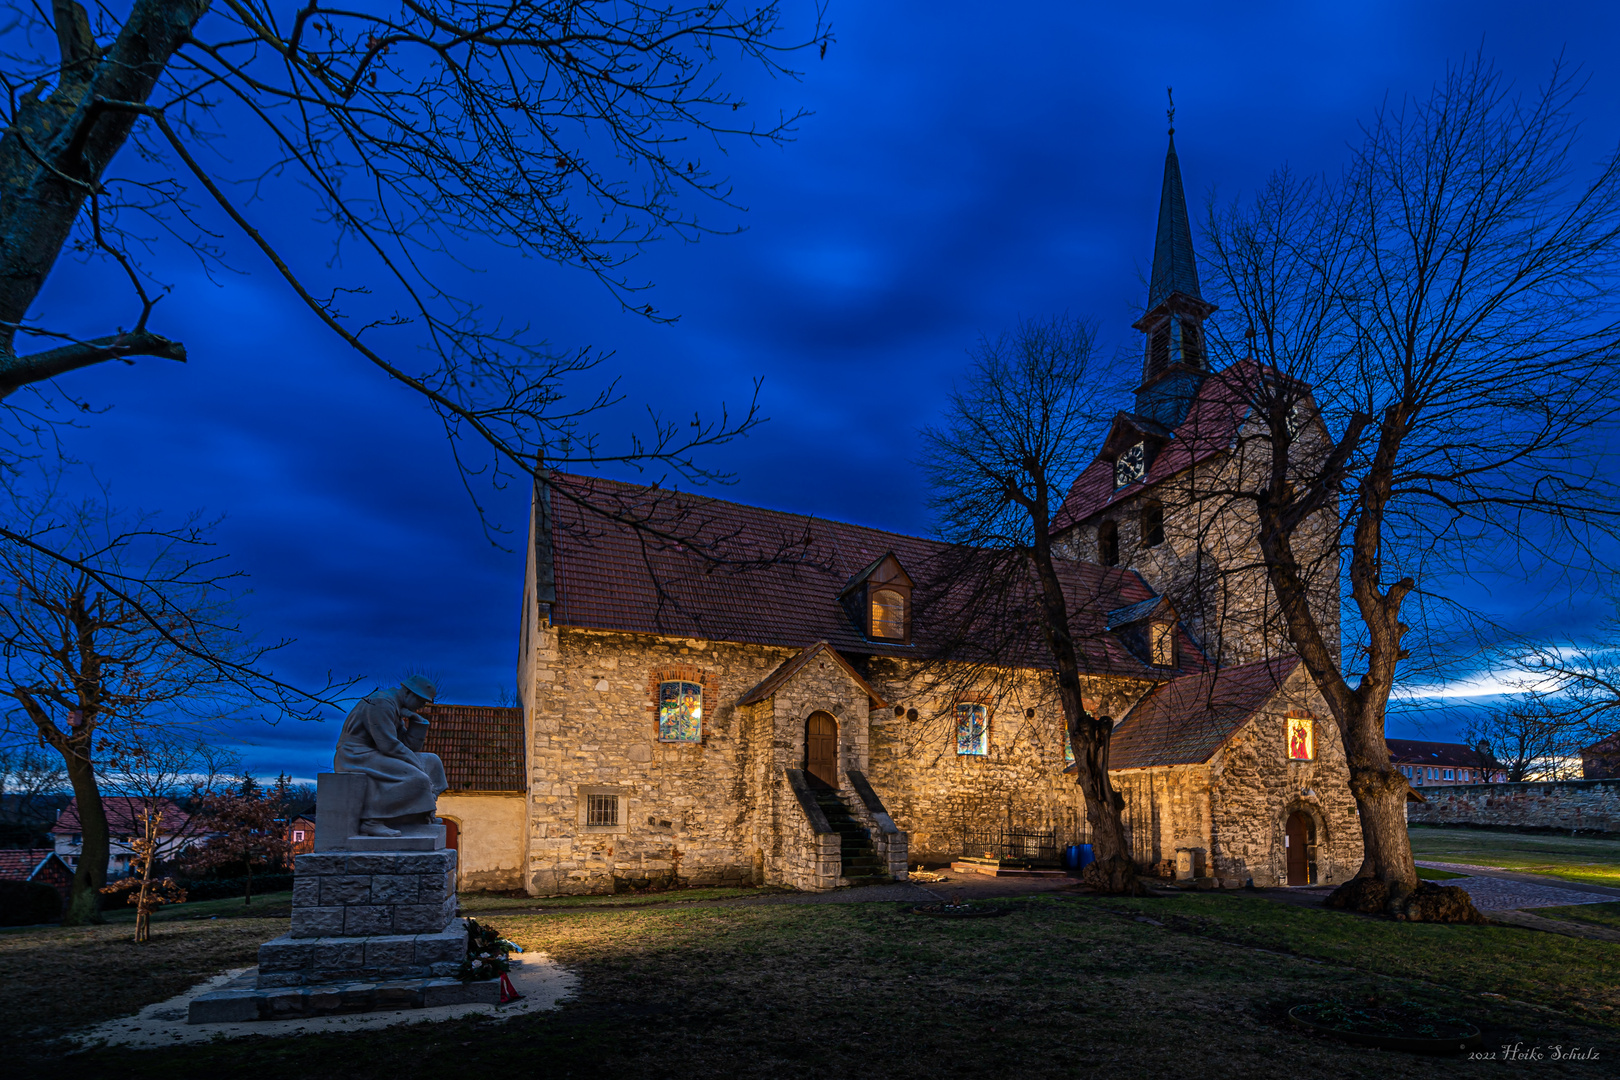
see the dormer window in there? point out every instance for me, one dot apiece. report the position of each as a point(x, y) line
point(878, 601)
point(888, 615)
point(1162, 643)
point(1131, 466)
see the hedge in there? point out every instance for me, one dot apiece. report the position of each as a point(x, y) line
point(23, 903)
point(227, 888)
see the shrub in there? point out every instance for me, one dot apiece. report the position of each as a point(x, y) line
point(227, 888)
point(23, 903)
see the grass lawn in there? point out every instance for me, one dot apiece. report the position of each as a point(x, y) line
point(1061, 986)
point(1577, 858)
point(1607, 915)
point(477, 903)
point(277, 905)
point(1428, 874)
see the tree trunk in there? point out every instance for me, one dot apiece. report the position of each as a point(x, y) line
point(248, 899)
point(84, 902)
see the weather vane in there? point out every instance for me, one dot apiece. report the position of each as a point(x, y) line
point(1170, 113)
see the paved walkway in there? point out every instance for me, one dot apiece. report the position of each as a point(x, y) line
point(1505, 890)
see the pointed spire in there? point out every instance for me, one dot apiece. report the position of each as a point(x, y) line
point(1173, 266)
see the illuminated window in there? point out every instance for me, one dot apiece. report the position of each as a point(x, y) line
point(680, 712)
point(298, 834)
point(1068, 752)
point(972, 729)
point(1162, 642)
point(888, 615)
point(1301, 738)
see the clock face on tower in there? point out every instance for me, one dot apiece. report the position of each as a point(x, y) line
point(1131, 466)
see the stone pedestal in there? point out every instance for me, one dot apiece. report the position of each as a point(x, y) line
point(370, 930)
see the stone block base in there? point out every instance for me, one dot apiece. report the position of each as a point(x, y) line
point(355, 894)
point(242, 1001)
point(289, 961)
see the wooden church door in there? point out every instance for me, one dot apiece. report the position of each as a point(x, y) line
point(1298, 838)
point(821, 748)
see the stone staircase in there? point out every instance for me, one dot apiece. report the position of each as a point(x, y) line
point(861, 864)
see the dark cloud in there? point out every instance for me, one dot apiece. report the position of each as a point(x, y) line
point(967, 165)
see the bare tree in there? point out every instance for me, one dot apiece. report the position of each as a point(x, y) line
point(97, 673)
point(30, 782)
point(1015, 435)
point(1529, 738)
point(1446, 310)
point(155, 775)
point(574, 133)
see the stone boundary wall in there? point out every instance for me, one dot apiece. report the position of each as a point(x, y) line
point(1586, 805)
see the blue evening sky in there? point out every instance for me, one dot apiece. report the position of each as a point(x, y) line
point(967, 164)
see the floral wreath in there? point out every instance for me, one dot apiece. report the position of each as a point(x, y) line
point(487, 953)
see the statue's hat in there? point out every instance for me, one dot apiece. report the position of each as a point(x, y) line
point(419, 685)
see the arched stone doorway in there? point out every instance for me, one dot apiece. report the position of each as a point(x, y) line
point(1299, 839)
point(821, 748)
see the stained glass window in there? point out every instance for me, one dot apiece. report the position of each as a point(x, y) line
point(1301, 738)
point(972, 729)
point(680, 712)
point(1068, 752)
point(888, 615)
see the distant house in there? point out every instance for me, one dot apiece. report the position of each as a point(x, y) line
point(1442, 764)
point(125, 823)
point(301, 833)
point(485, 811)
point(37, 864)
point(1601, 760)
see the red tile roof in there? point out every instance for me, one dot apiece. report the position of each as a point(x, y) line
point(1185, 721)
point(610, 577)
point(123, 816)
point(481, 746)
point(1211, 428)
point(20, 864)
point(793, 665)
point(1414, 752)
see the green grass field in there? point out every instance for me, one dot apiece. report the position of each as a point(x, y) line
point(1576, 858)
point(478, 903)
point(1061, 986)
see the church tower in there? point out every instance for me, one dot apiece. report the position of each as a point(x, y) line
point(1174, 362)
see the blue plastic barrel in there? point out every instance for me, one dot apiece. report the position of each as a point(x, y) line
point(1078, 857)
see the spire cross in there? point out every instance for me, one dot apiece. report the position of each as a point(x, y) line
point(1170, 113)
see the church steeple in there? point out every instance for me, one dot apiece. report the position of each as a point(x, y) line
point(1173, 267)
point(1174, 363)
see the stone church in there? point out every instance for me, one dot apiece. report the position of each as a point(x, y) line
point(775, 718)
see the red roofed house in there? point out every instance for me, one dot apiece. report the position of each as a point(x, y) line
point(37, 864)
point(486, 808)
point(775, 722)
point(125, 824)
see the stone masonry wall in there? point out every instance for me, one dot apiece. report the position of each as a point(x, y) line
point(939, 797)
point(1587, 805)
point(1256, 787)
point(684, 808)
point(1166, 810)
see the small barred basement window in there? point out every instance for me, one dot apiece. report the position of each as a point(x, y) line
point(972, 729)
point(680, 712)
point(601, 811)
